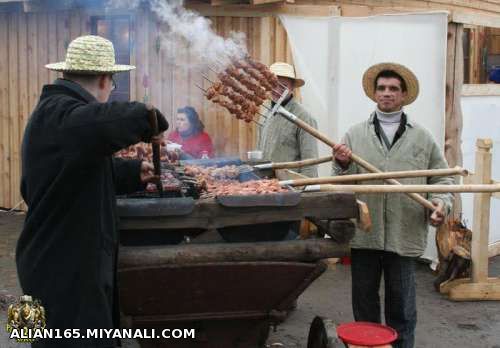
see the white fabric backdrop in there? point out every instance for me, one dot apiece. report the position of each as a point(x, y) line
point(481, 119)
point(331, 54)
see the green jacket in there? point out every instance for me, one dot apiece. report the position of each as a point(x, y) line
point(282, 141)
point(399, 223)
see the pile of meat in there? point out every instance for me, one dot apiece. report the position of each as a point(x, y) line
point(243, 87)
point(209, 174)
point(141, 151)
point(223, 181)
point(254, 187)
point(169, 183)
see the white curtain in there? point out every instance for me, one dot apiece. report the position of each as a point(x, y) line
point(481, 119)
point(331, 54)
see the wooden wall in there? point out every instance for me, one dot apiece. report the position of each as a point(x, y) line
point(28, 41)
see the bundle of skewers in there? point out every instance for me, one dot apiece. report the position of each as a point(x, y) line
point(243, 87)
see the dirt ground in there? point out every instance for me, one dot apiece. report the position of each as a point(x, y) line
point(441, 323)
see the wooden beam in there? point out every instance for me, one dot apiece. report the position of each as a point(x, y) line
point(453, 116)
point(266, 10)
point(261, 2)
point(490, 89)
point(489, 289)
point(474, 18)
point(481, 225)
point(224, 2)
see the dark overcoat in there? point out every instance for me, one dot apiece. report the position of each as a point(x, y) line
point(66, 254)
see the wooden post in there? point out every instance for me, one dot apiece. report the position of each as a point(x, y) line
point(481, 226)
point(479, 286)
point(453, 118)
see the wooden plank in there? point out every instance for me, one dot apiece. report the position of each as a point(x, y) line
point(154, 46)
point(489, 89)
point(74, 24)
point(481, 224)
point(254, 38)
point(261, 2)
point(228, 121)
point(141, 75)
point(4, 112)
point(489, 289)
point(33, 58)
point(62, 34)
point(13, 40)
point(24, 107)
point(209, 214)
point(453, 107)
point(474, 18)
point(265, 10)
point(266, 39)
point(52, 45)
point(133, 56)
point(43, 50)
point(280, 42)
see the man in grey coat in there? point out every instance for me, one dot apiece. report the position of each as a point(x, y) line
point(392, 141)
point(280, 140)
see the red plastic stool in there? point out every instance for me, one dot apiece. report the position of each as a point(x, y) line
point(366, 334)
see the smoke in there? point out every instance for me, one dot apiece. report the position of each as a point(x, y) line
point(188, 27)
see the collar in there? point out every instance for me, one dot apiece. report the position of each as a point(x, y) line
point(408, 121)
point(76, 88)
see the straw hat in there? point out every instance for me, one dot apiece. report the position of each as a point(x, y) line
point(286, 70)
point(408, 76)
point(91, 55)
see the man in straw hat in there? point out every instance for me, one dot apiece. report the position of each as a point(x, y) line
point(66, 254)
point(280, 140)
point(391, 141)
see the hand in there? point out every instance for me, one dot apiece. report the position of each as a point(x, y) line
point(147, 173)
point(438, 215)
point(342, 154)
point(157, 139)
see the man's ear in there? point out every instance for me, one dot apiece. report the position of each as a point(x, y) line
point(102, 81)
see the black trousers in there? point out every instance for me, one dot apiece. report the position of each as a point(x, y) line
point(400, 299)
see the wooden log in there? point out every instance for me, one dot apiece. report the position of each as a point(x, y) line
point(295, 250)
point(489, 289)
point(415, 188)
point(371, 168)
point(375, 176)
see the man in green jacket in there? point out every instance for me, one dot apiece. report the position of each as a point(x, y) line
point(391, 141)
point(280, 140)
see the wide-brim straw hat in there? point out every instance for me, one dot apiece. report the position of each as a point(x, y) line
point(286, 70)
point(91, 55)
point(406, 74)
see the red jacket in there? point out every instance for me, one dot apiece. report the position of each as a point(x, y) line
point(195, 145)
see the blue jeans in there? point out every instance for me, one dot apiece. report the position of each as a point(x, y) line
point(367, 267)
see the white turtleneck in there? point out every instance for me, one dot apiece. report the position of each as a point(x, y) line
point(389, 121)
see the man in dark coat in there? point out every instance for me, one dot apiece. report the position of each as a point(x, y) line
point(67, 252)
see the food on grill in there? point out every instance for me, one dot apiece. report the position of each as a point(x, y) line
point(259, 187)
point(212, 173)
point(169, 183)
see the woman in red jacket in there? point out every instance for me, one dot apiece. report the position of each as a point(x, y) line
point(189, 133)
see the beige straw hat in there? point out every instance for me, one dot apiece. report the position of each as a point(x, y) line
point(91, 55)
point(408, 76)
point(286, 70)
